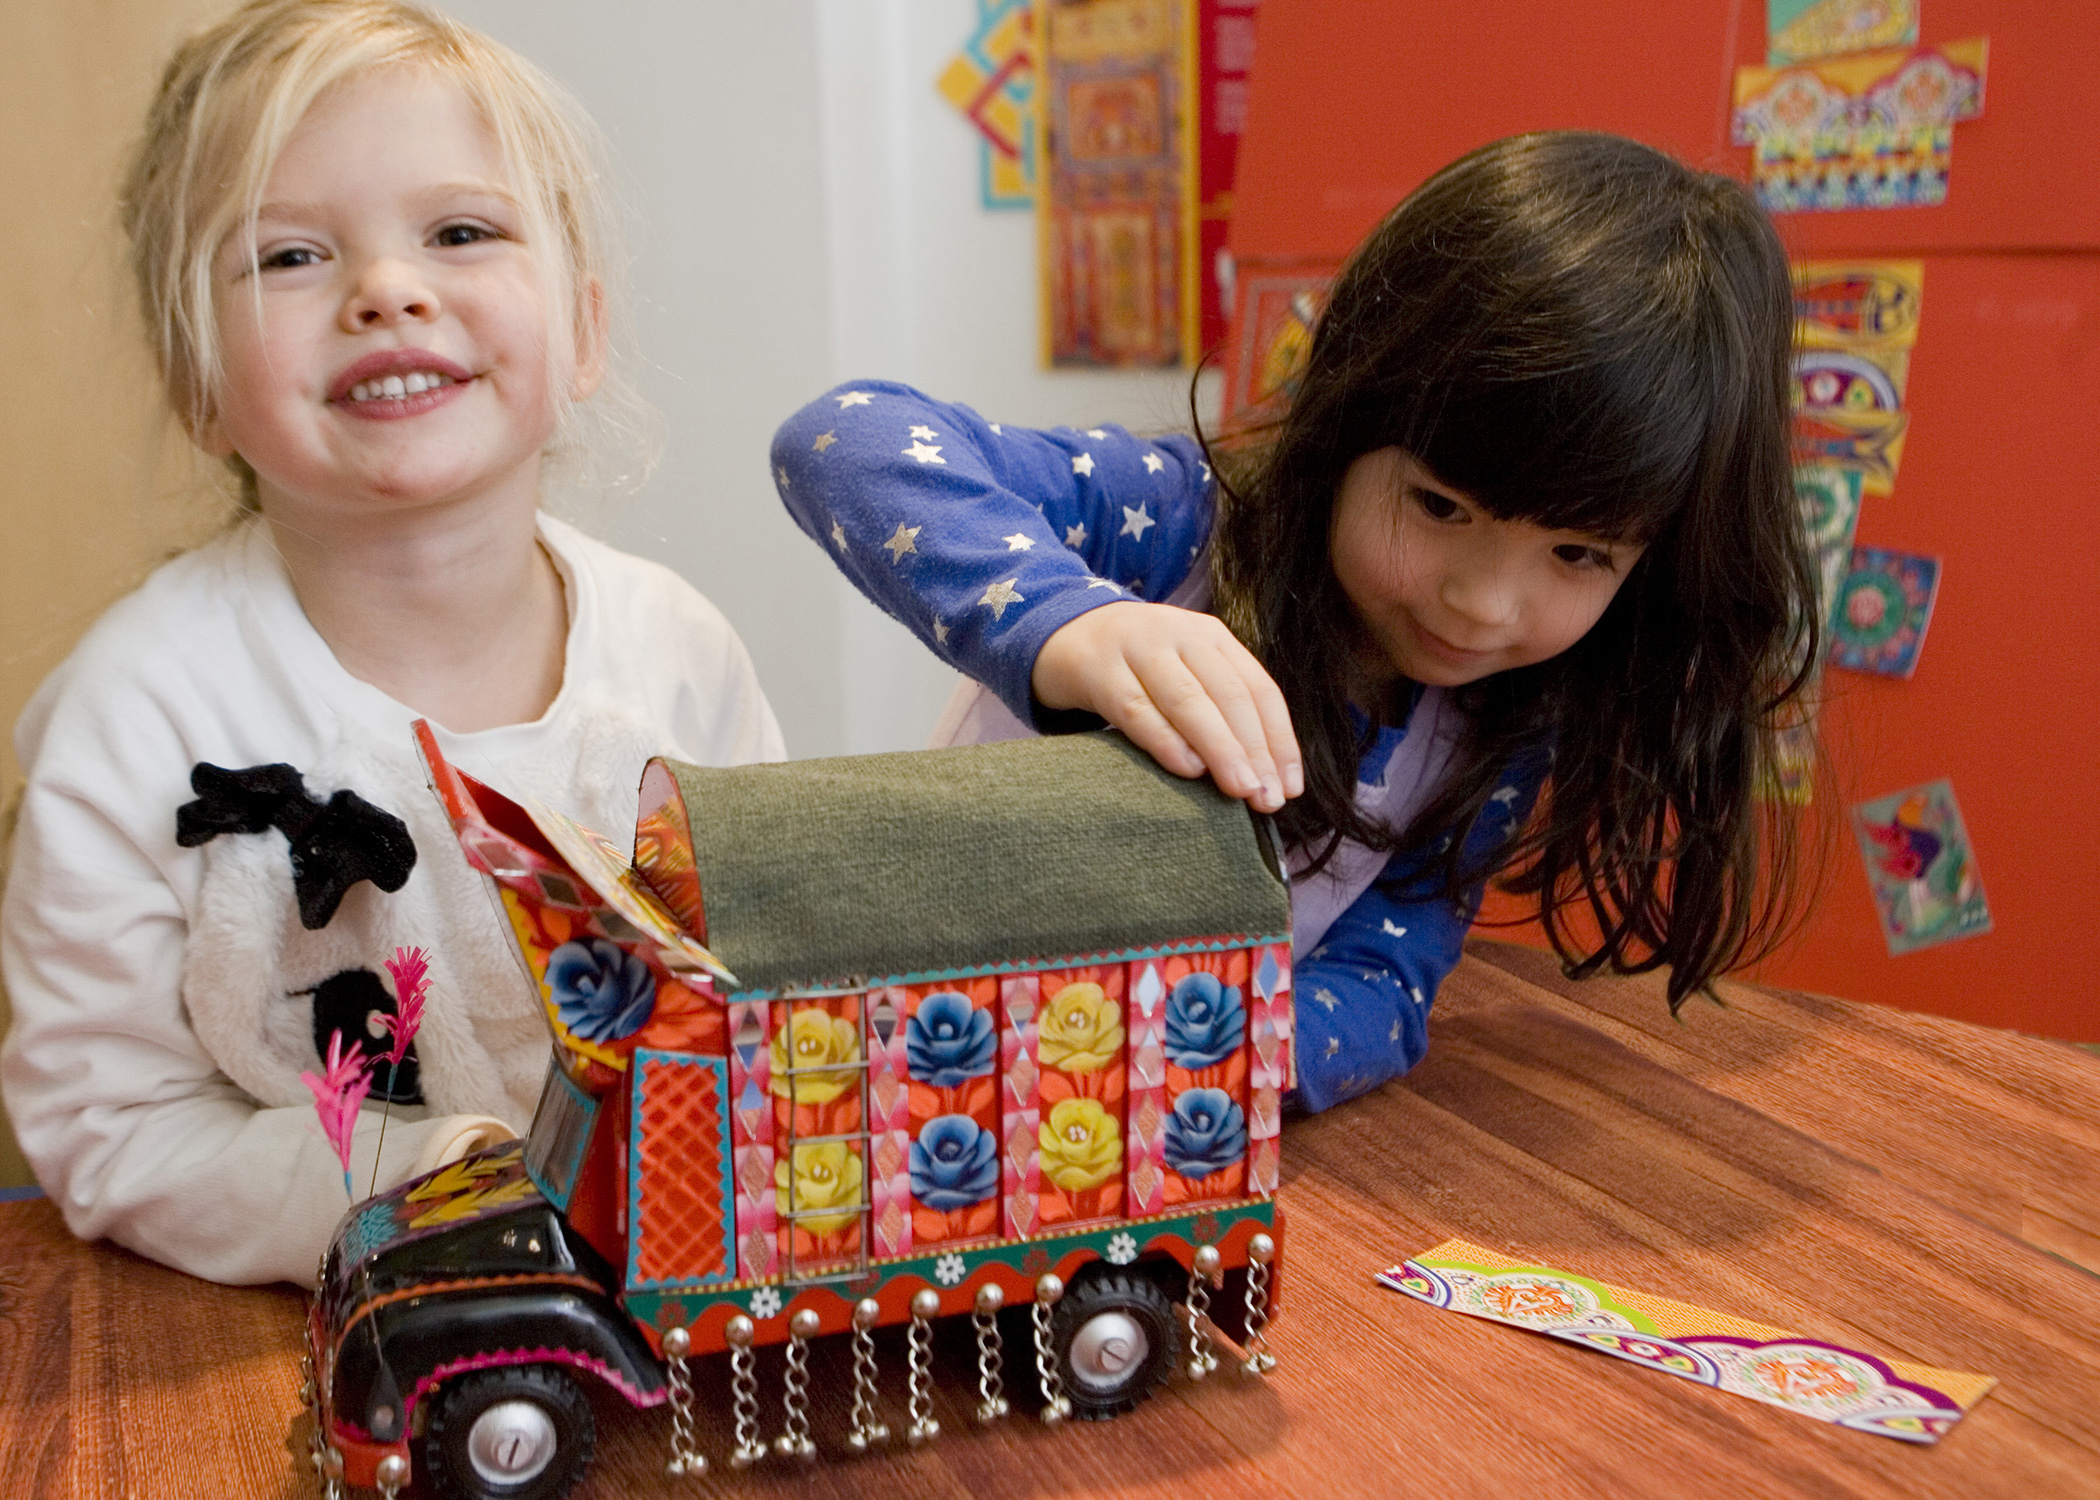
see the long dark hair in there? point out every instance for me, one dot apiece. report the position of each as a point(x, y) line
point(1578, 332)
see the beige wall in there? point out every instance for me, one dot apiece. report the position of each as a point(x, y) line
point(91, 489)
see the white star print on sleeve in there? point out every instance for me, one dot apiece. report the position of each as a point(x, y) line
point(938, 516)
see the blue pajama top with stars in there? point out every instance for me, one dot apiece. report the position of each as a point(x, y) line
point(984, 540)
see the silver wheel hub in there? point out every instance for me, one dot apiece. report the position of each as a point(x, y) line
point(511, 1442)
point(1107, 1349)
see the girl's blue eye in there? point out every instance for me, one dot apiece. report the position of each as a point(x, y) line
point(463, 234)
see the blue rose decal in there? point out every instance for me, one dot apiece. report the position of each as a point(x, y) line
point(948, 1040)
point(601, 991)
point(1205, 1021)
point(1206, 1133)
point(954, 1163)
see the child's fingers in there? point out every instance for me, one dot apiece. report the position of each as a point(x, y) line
point(1205, 694)
point(1183, 689)
point(1273, 714)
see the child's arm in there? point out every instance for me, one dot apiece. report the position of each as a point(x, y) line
point(999, 547)
point(1363, 994)
point(129, 1123)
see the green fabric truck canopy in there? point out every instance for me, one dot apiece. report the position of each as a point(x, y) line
point(821, 873)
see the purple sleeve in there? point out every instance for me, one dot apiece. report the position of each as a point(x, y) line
point(984, 539)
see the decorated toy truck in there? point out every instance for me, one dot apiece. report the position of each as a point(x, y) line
point(845, 1044)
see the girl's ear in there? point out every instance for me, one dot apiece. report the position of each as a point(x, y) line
point(593, 340)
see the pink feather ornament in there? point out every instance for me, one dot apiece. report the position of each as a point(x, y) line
point(338, 1091)
point(410, 968)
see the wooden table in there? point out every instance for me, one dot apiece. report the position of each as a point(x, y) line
point(1840, 1170)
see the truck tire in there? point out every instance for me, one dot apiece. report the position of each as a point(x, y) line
point(1113, 1336)
point(519, 1432)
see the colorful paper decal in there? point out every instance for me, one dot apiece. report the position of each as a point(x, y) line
point(1829, 497)
point(991, 82)
point(1829, 1382)
point(1842, 304)
point(1804, 30)
point(1869, 441)
point(1881, 615)
point(1792, 775)
point(1874, 130)
point(1116, 187)
point(1275, 307)
point(1923, 870)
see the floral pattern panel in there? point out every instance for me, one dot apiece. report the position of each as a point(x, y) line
point(1206, 1046)
point(951, 1050)
point(1080, 1095)
point(820, 1185)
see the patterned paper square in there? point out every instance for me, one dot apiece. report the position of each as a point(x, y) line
point(1926, 887)
point(1882, 611)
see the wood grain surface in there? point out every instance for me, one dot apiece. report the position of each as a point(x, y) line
point(1839, 1170)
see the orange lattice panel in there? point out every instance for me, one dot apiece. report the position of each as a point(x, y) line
point(680, 1187)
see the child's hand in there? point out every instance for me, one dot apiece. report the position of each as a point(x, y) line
point(1183, 688)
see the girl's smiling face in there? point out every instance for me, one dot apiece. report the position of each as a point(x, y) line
point(385, 329)
point(1446, 593)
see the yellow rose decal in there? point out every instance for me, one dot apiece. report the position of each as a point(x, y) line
point(1082, 1144)
point(1081, 1030)
point(814, 1039)
point(826, 1175)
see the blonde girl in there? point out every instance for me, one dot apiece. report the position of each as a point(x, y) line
point(371, 251)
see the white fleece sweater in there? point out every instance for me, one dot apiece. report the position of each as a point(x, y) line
point(163, 996)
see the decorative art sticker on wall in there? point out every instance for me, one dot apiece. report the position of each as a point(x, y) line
point(1881, 615)
point(1926, 887)
point(1115, 185)
point(1874, 130)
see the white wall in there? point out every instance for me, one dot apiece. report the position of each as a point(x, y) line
point(804, 210)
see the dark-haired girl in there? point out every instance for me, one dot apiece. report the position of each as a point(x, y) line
point(1514, 588)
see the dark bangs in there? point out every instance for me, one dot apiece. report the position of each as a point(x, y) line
point(1560, 355)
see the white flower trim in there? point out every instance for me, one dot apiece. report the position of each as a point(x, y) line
point(765, 1302)
point(1122, 1250)
point(948, 1270)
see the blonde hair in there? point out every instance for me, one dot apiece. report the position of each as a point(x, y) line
point(228, 104)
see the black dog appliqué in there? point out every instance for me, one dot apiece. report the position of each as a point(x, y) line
point(335, 844)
